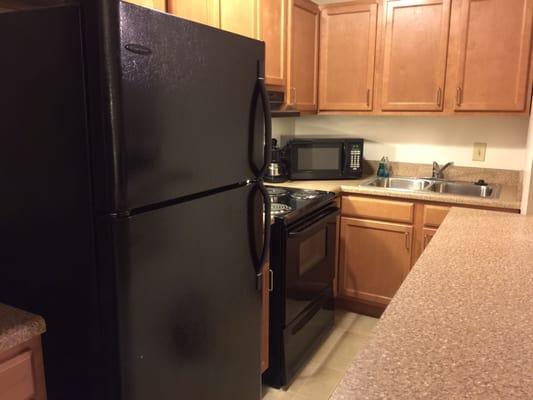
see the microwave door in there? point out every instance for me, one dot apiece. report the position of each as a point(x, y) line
point(317, 161)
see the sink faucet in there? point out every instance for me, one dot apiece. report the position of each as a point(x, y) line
point(438, 171)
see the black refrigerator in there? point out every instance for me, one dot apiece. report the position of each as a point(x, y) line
point(133, 211)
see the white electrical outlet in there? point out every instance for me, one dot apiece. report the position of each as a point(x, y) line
point(479, 151)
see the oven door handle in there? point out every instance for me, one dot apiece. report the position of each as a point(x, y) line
point(321, 220)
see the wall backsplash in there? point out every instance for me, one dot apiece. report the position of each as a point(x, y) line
point(417, 139)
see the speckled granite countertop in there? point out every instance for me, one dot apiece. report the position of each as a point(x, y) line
point(17, 326)
point(509, 198)
point(461, 325)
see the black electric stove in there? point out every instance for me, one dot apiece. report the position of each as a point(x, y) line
point(288, 204)
point(302, 259)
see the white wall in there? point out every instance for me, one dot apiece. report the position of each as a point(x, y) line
point(423, 139)
point(527, 191)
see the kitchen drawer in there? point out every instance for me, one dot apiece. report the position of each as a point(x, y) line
point(370, 208)
point(17, 381)
point(434, 215)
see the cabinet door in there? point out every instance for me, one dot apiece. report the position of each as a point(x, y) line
point(347, 54)
point(304, 55)
point(202, 11)
point(155, 4)
point(415, 53)
point(273, 31)
point(374, 259)
point(494, 55)
point(22, 372)
point(240, 16)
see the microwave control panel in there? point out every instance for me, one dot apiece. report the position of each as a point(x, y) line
point(355, 157)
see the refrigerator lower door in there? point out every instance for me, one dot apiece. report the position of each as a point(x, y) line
point(188, 307)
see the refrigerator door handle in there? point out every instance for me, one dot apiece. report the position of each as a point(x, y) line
point(266, 226)
point(267, 115)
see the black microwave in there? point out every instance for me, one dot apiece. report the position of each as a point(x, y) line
point(324, 158)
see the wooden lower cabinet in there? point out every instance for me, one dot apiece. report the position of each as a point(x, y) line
point(380, 240)
point(22, 372)
point(265, 313)
point(375, 258)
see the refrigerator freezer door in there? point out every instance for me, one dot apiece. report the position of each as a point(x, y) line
point(191, 114)
point(189, 311)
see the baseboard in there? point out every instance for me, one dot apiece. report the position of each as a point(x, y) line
point(359, 307)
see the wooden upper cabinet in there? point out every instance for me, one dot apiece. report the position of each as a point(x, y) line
point(237, 16)
point(240, 16)
point(273, 31)
point(494, 55)
point(304, 60)
point(202, 11)
point(155, 4)
point(347, 57)
point(415, 55)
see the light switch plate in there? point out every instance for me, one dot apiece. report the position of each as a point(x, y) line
point(479, 151)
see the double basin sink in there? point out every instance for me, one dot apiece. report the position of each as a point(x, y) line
point(431, 185)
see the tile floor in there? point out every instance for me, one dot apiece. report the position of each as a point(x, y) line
point(325, 369)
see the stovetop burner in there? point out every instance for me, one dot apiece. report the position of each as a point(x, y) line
point(306, 194)
point(280, 209)
point(289, 204)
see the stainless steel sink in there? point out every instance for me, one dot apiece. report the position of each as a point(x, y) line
point(409, 184)
point(436, 186)
point(464, 189)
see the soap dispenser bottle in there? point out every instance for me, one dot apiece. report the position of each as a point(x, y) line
point(384, 167)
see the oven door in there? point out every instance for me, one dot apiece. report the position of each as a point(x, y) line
point(317, 160)
point(310, 260)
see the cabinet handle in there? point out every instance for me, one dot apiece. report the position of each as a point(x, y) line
point(439, 97)
point(368, 98)
point(407, 240)
point(427, 239)
point(459, 96)
point(270, 280)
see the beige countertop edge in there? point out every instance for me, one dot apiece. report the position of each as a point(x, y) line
point(508, 199)
point(461, 324)
point(17, 327)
